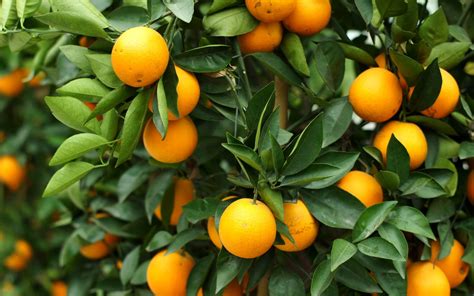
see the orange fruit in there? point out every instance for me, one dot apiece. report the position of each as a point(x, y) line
point(59, 288)
point(309, 17)
point(178, 145)
point(264, 38)
point(363, 186)
point(183, 194)
point(411, 137)
point(470, 186)
point(91, 106)
point(247, 229)
point(188, 94)
point(233, 289)
point(425, 278)
point(213, 234)
point(15, 262)
point(269, 11)
point(37, 79)
point(376, 95)
point(302, 226)
point(12, 172)
point(382, 63)
point(95, 251)
point(119, 264)
point(452, 265)
point(140, 56)
point(11, 85)
point(167, 274)
point(86, 41)
point(23, 248)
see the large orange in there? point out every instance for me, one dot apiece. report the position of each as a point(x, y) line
point(167, 274)
point(363, 186)
point(247, 229)
point(424, 278)
point(376, 95)
point(11, 85)
point(470, 186)
point(140, 56)
point(382, 63)
point(452, 265)
point(213, 234)
point(302, 226)
point(178, 145)
point(309, 17)
point(12, 172)
point(266, 37)
point(448, 97)
point(183, 194)
point(58, 288)
point(411, 137)
point(269, 11)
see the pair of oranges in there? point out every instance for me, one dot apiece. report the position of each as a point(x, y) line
point(18, 260)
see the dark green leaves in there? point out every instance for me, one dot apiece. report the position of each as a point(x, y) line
point(330, 62)
point(337, 117)
point(379, 248)
point(341, 251)
point(388, 8)
point(66, 176)
point(434, 29)
point(427, 88)
point(409, 68)
point(245, 154)
point(284, 282)
point(182, 9)
point(293, 50)
point(398, 160)
point(278, 67)
point(76, 146)
point(228, 267)
point(272, 198)
point(411, 220)
point(365, 9)
point(322, 278)
point(230, 22)
point(370, 219)
point(130, 264)
point(211, 58)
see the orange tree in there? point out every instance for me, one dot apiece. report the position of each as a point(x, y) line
point(259, 147)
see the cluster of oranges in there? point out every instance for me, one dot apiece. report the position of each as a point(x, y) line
point(303, 17)
point(19, 258)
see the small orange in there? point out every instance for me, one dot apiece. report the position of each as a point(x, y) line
point(266, 37)
point(178, 145)
point(86, 41)
point(168, 274)
point(15, 262)
point(269, 11)
point(23, 248)
point(59, 288)
point(140, 56)
point(302, 226)
point(376, 95)
point(425, 278)
point(11, 85)
point(470, 186)
point(95, 251)
point(92, 106)
point(382, 63)
point(37, 79)
point(213, 234)
point(452, 265)
point(183, 194)
point(409, 135)
point(233, 289)
point(12, 173)
point(309, 17)
point(363, 186)
point(247, 228)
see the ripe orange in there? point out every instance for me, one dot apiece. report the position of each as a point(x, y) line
point(37, 79)
point(302, 226)
point(183, 194)
point(452, 265)
point(376, 95)
point(411, 137)
point(86, 41)
point(23, 248)
point(363, 186)
point(168, 274)
point(178, 145)
point(470, 186)
point(213, 234)
point(425, 278)
point(100, 249)
point(233, 289)
point(11, 85)
point(269, 11)
point(448, 97)
point(140, 56)
point(264, 38)
point(91, 106)
point(247, 229)
point(382, 63)
point(12, 172)
point(59, 288)
point(309, 17)
point(15, 262)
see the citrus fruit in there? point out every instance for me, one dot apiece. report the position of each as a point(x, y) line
point(425, 278)
point(266, 37)
point(119, 264)
point(470, 186)
point(382, 63)
point(59, 288)
point(15, 262)
point(86, 41)
point(37, 79)
point(452, 265)
point(167, 274)
point(23, 248)
point(140, 56)
point(269, 11)
point(12, 173)
point(247, 228)
point(95, 251)
point(376, 95)
point(92, 106)
point(233, 289)
point(11, 85)
point(409, 135)
point(183, 194)
point(179, 144)
point(213, 234)
point(309, 17)
point(363, 186)
point(301, 225)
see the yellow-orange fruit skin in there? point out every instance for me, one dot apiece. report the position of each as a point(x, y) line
point(99, 249)
point(266, 37)
point(425, 278)
point(269, 11)
point(23, 248)
point(183, 194)
point(213, 234)
point(179, 144)
point(470, 186)
point(12, 173)
point(247, 229)
point(382, 63)
point(301, 225)
point(233, 289)
point(167, 274)
point(363, 186)
point(15, 262)
point(448, 97)
point(309, 17)
point(411, 137)
point(11, 85)
point(140, 56)
point(59, 288)
point(452, 265)
point(376, 95)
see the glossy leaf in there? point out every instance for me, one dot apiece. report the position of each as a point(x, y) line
point(370, 219)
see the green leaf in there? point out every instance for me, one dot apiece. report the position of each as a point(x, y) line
point(78, 56)
point(67, 176)
point(466, 150)
point(130, 265)
point(449, 54)
point(218, 5)
point(111, 100)
point(330, 63)
point(84, 8)
point(139, 278)
point(84, 88)
point(423, 185)
point(379, 248)
point(434, 124)
point(200, 209)
point(394, 236)
point(440, 209)
point(409, 68)
point(69, 249)
point(404, 26)
point(278, 158)
point(170, 84)
point(341, 251)
point(427, 88)
point(109, 126)
point(76, 146)
point(132, 126)
point(205, 59)
point(322, 278)
point(184, 237)
point(337, 117)
point(199, 274)
point(26, 8)
point(229, 22)
point(260, 106)
point(398, 160)
point(389, 180)
point(182, 9)
point(434, 29)
point(160, 110)
point(278, 67)
point(156, 191)
point(272, 198)
point(370, 219)
point(285, 282)
point(374, 153)
point(354, 276)
point(127, 17)
point(9, 14)
point(357, 54)
point(160, 240)
point(101, 65)
point(259, 268)
point(365, 9)
point(73, 22)
point(294, 52)
point(228, 267)
point(446, 238)
point(410, 219)
point(131, 179)
point(391, 282)
point(245, 154)
point(388, 8)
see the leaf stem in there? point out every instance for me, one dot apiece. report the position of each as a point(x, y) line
point(242, 70)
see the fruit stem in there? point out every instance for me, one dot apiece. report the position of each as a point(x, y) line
point(281, 100)
point(242, 71)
